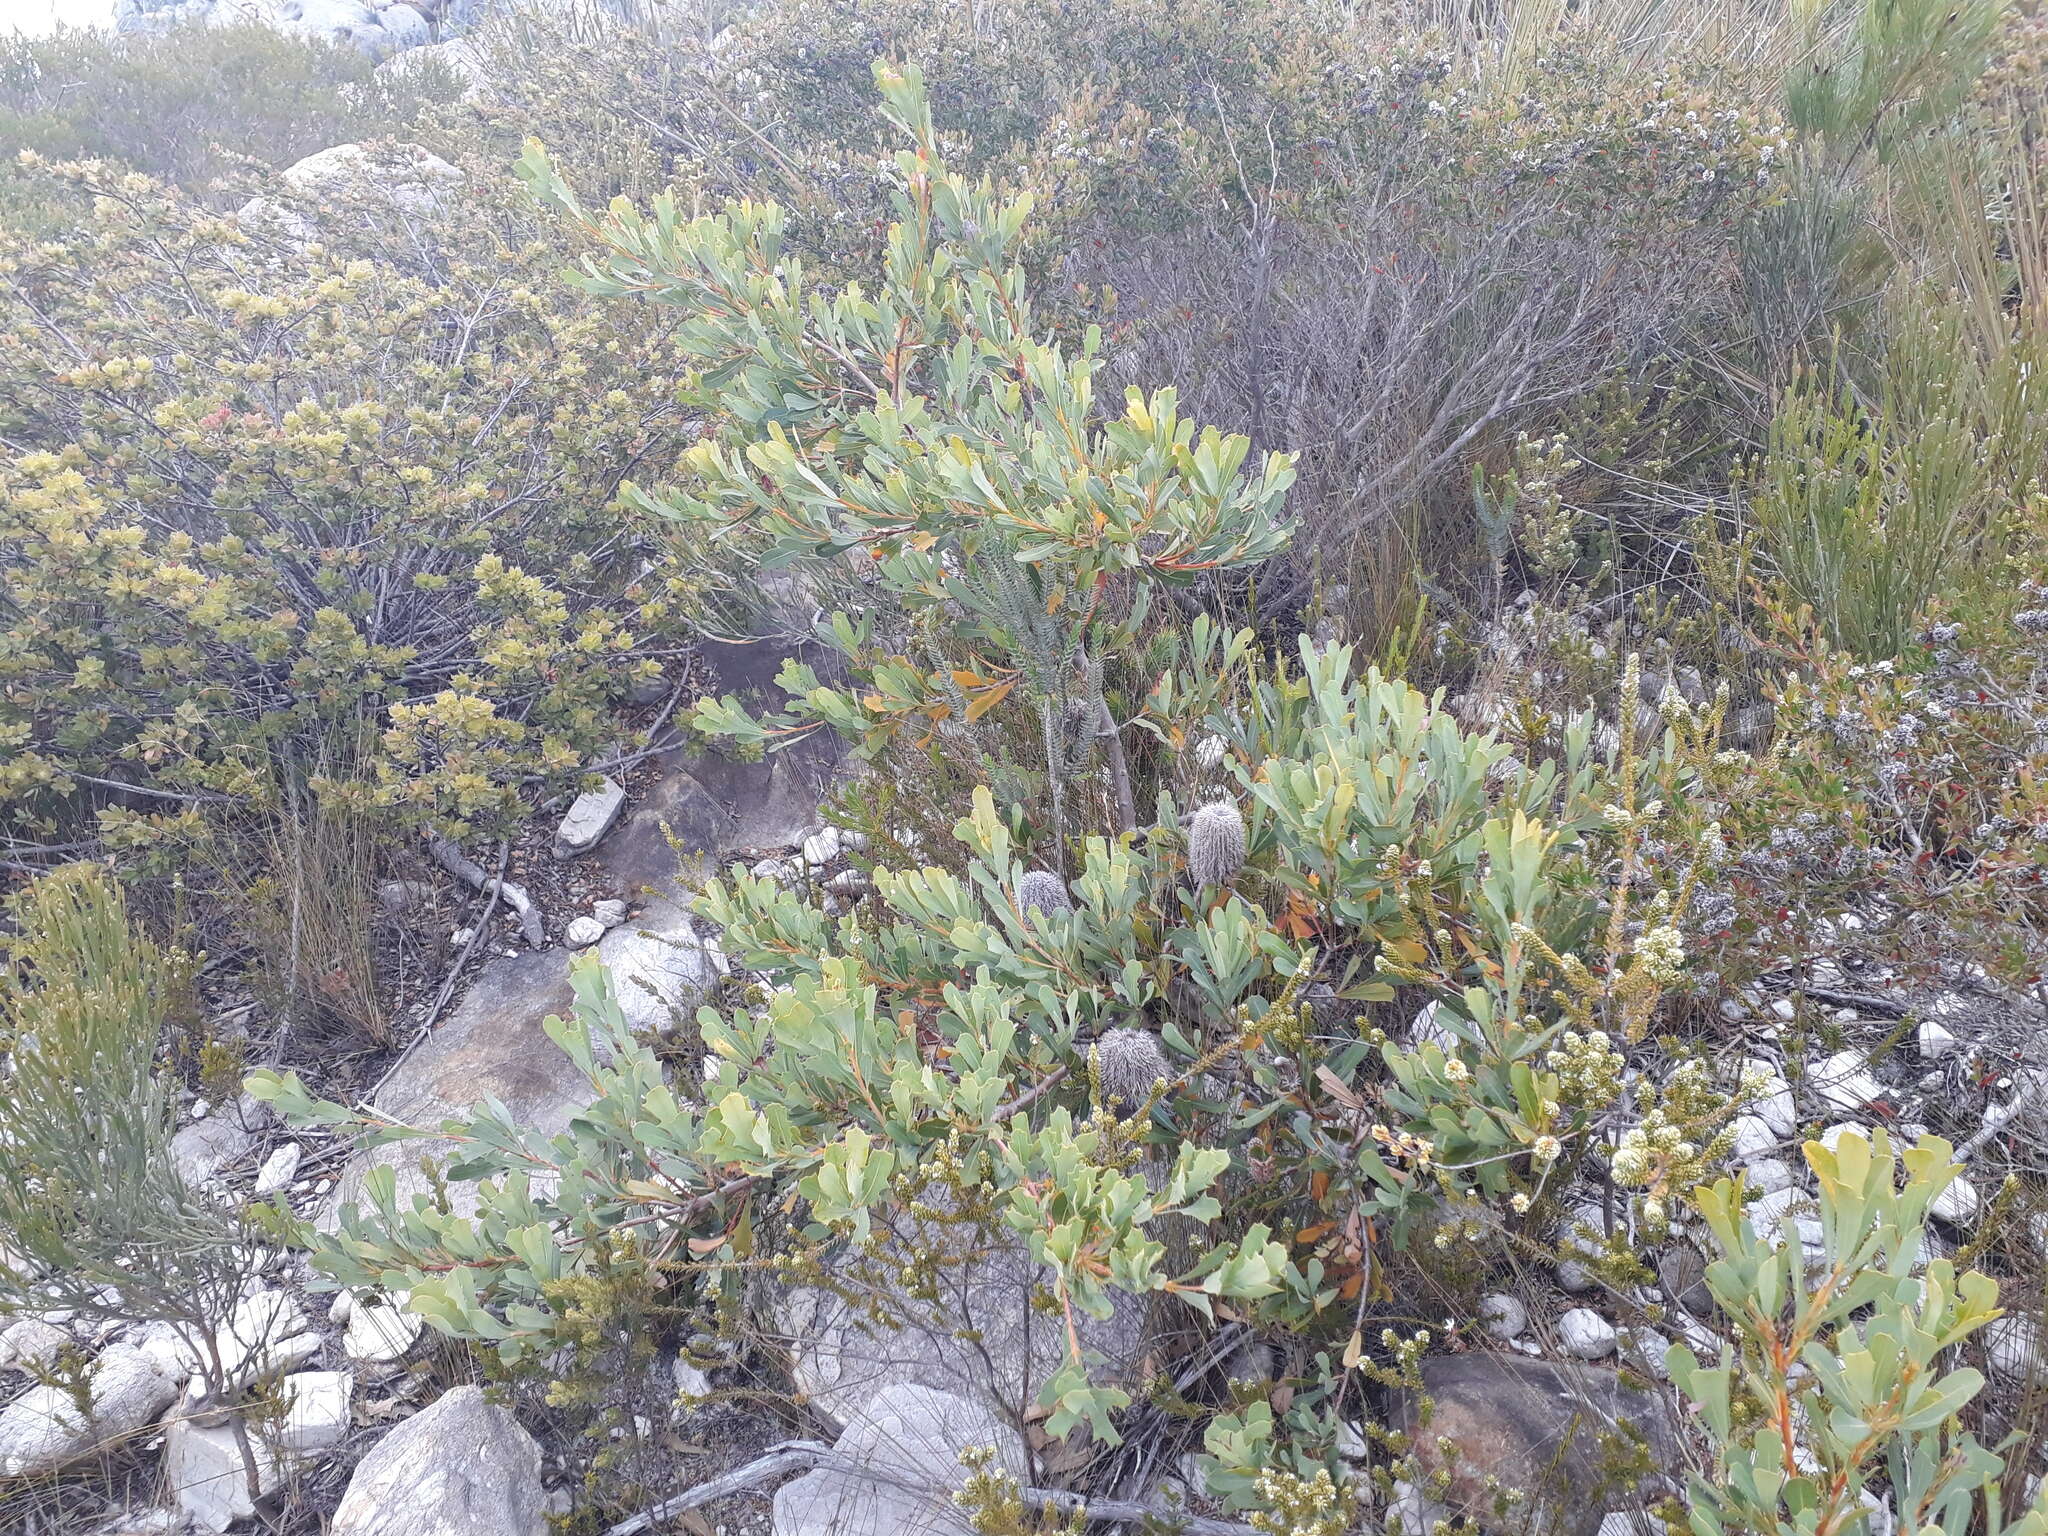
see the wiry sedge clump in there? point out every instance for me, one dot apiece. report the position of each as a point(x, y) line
point(1040, 891)
point(1130, 1062)
point(1215, 843)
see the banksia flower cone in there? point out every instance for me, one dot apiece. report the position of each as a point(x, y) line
point(1042, 892)
point(1130, 1062)
point(1215, 843)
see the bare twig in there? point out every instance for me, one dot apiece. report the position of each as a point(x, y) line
point(1030, 1096)
point(1862, 1002)
point(803, 1455)
point(476, 934)
point(452, 859)
point(1132, 1512)
point(791, 1456)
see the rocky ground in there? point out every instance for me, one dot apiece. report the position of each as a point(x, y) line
point(385, 30)
point(612, 872)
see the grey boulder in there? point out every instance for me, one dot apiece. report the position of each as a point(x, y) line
point(1549, 1432)
point(403, 27)
point(401, 176)
point(44, 1428)
point(458, 56)
point(461, 1467)
point(981, 1339)
point(896, 1467)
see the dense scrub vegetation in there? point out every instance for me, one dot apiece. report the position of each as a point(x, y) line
point(1433, 600)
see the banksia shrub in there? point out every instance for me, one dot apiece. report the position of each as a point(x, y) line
point(1215, 843)
point(1040, 891)
point(944, 1036)
point(1129, 1062)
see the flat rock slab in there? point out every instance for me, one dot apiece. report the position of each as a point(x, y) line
point(771, 802)
point(492, 1044)
point(677, 824)
point(1572, 1439)
point(917, 1434)
point(833, 1501)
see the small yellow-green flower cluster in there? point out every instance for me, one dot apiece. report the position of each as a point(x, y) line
point(1588, 1068)
point(1406, 1145)
point(1294, 1505)
point(1664, 1151)
point(1661, 954)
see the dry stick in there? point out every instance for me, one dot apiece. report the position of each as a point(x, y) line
point(1837, 997)
point(1132, 1512)
point(1119, 766)
point(1031, 1095)
point(791, 1456)
point(476, 935)
point(452, 859)
point(662, 727)
point(802, 1455)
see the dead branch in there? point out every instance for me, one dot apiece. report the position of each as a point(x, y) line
point(803, 1455)
point(452, 859)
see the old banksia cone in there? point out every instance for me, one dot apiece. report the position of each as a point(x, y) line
point(1042, 892)
point(1129, 1062)
point(1215, 843)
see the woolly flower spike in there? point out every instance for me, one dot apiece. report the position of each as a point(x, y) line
point(1044, 893)
point(1130, 1062)
point(1209, 752)
point(1215, 843)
